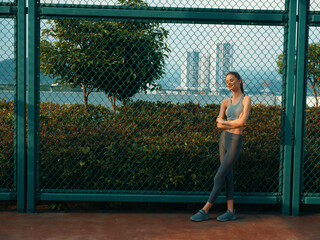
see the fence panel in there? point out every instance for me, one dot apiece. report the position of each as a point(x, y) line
point(310, 188)
point(8, 183)
point(305, 186)
point(126, 104)
point(156, 140)
point(13, 101)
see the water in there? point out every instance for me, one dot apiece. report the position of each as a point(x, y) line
point(101, 98)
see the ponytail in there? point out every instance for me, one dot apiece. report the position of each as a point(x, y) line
point(241, 86)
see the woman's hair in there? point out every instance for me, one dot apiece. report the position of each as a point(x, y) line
point(237, 76)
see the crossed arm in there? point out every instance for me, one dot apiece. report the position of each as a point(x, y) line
point(238, 123)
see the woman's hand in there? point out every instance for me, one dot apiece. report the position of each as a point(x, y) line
point(219, 120)
point(220, 124)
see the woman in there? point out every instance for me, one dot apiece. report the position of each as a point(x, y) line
point(236, 109)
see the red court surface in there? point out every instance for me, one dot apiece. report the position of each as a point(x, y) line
point(168, 225)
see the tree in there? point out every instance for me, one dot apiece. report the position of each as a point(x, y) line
point(313, 68)
point(118, 58)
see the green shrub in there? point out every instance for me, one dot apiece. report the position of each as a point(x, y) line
point(146, 146)
point(6, 145)
point(152, 146)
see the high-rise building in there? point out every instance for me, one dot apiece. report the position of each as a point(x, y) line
point(206, 72)
point(190, 71)
point(222, 62)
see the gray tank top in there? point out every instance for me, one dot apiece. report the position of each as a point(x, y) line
point(233, 111)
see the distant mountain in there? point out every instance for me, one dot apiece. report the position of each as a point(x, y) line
point(170, 80)
point(261, 81)
point(172, 77)
point(7, 73)
point(255, 81)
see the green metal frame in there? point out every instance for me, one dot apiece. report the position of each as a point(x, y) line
point(306, 19)
point(7, 10)
point(300, 103)
point(8, 196)
point(33, 101)
point(178, 15)
point(152, 198)
point(21, 104)
point(309, 199)
point(288, 114)
point(314, 19)
point(19, 13)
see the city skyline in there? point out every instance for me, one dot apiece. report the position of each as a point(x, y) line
point(206, 71)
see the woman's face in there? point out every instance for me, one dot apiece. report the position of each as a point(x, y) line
point(233, 83)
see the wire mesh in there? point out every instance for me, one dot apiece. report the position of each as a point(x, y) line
point(311, 166)
point(314, 5)
point(158, 136)
point(7, 1)
point(7, 93)
point(219, 4)
point(130, 106)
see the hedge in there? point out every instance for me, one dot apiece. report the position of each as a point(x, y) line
point(146, 146)
point(6, 145)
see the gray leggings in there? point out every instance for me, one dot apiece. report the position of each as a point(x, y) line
point(230, 146)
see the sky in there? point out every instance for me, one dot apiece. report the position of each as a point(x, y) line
point(6, 38)
point(254, 46)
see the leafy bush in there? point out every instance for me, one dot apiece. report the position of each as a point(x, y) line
point(152, 147)
point(6, 145)
point(146, 146)
point(311, 171)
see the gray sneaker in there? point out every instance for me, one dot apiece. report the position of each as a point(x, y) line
point(227, 216)
point(200, 216)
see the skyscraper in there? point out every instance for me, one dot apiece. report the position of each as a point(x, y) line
point(206, 71)
point(190, 71)
point(223, 64)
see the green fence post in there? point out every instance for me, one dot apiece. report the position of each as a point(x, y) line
point(300, 103)
point(21, 104)
point(33, 101)
point(288, 115)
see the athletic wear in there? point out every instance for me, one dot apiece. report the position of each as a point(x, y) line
point(230, 147)
point(233, 111)
point(227, 216)
point(200, 216)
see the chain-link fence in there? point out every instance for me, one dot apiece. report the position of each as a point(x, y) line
point(7, 2)
point(163, 140)
point(7, 109)
point(134, 104)
point(314, 5)
point(123, 107)
point(311, 165)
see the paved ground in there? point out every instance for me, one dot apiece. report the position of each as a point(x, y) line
point(157, 225)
